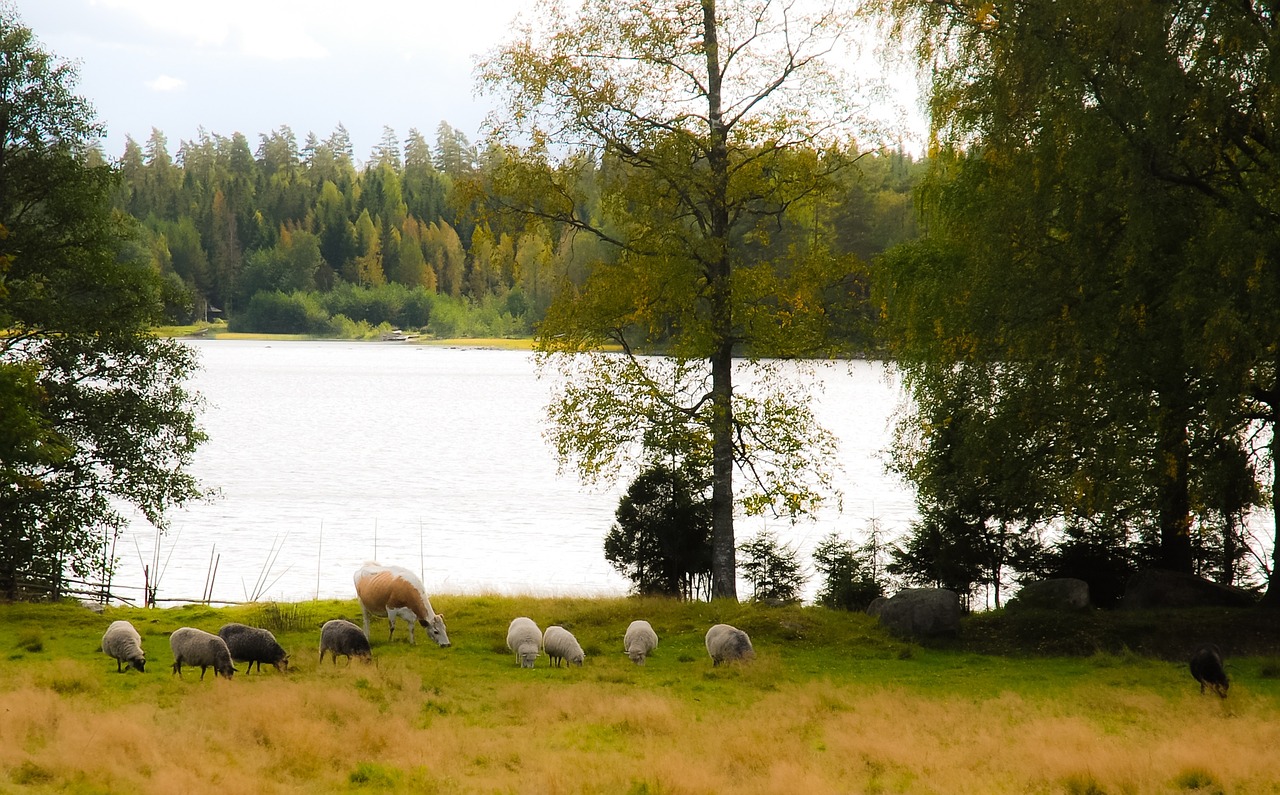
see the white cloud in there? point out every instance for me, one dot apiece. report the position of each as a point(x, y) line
point(167, 83)
point(267, 29)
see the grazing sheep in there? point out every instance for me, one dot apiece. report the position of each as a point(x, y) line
point(525, 639)
point(639, 641)
point(197, 647)
point(398, 592)
point(560, 644)
point(728, 644)
point(123, 642)
point(254, 645)
point(1206, 667)
point(343, 637)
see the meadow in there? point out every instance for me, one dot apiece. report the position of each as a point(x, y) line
point(832, 704)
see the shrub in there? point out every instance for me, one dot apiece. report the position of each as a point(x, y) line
point(282, 313)
point(661, 540)
point(772, 568)
point(849, 581)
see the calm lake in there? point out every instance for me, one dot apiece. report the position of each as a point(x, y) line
point(328, 454)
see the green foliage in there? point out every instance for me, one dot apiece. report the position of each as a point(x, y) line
point(710, 204)
point(281, 313)
point(849, 574)
point(95, 414)
point(772, 568)
point(661, 540)
point(1085, 264)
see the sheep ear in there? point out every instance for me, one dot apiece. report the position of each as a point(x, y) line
point(440, 616)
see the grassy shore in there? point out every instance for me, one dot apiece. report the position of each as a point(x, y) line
point(831, 705)
point(219, 331)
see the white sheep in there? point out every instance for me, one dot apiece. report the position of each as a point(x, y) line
point(343, 637)
point(196, 647)
point(560, 644)
point(123, 642)
point(525, 639)
point(639, 641)
point(728, 644)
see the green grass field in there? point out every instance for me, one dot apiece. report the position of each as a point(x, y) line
point(832, 704)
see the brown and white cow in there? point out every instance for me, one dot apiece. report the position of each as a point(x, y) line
point(398, 592)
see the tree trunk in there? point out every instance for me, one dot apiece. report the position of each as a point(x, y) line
point(1173, 484)
point(724, 566)
point(724, 571)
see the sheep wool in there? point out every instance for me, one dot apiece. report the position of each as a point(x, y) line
point(726, 643)
point(525, 639)
point(343, 637)
point(193, 646)
point(254, 645)
point(561, 645)
point(640, 641)
point(123, 642)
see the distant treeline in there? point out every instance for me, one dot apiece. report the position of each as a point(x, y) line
point(306, 239)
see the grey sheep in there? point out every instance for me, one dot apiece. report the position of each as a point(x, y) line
point(525, 639)
point(561, 645)
point(343, 637)
point(1206, 667)
point(728, 644)
point(639, 641)
point(254, 645)
point(123, 642)
point(193, 646)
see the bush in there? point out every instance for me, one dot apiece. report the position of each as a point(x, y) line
point(282, 313)
point(661, 541)
point(849, 581)
point(772, 568)
point(373, 305)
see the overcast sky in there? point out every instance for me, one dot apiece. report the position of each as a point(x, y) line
point(251, 66)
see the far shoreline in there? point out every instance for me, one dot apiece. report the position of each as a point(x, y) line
point(212, 332)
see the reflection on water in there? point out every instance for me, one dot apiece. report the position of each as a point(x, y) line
point(431, 458)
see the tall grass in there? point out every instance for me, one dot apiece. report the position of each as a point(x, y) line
point(831, 705)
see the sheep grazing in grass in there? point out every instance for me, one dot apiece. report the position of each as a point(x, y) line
point(343, 637)
point(123, 642)
point(193, 646)
point(640, 641)
point(561, 645)
point(525, 639)
point(1206, 667)
point(399, 593)
point(254, 645)
point(728, 644)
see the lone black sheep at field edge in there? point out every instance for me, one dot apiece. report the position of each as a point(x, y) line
point(1206, 667)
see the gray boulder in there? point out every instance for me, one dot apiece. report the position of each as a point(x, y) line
point(919, 612)
point(1062, 593)
point(1155, 588)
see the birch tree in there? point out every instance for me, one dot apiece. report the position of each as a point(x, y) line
point(706, 127)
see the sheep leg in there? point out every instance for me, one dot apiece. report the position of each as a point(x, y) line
point(391, 619)
point(364, 611)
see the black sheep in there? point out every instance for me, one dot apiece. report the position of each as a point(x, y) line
point(1206, 667)
point(254, 645)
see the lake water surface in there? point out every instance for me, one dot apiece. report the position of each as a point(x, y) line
point(334, 453)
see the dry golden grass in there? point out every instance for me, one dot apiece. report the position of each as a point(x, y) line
point(386, 728)
point(816, 716)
